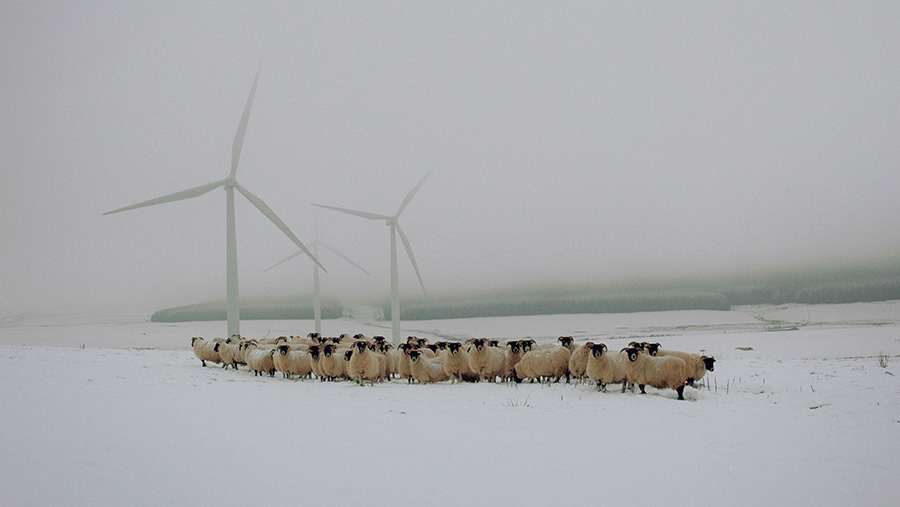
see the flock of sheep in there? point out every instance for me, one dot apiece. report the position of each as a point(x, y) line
point(362, 359)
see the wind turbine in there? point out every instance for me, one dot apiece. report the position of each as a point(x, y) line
point(391, 221)
point(232, 304)
point(317, 299)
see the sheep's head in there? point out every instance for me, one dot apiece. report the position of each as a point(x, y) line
point(412, 340)
point(651, 348)
point(588, 345)
point(566, 341)
point(479, 343)
point(406, 347)
point(284, 349)
point(514, 347)
point(379, 340)
point(454, 348)
point(493, 343)
point(321, 340)
point(314, 336)
point(361, 346)
point(635, 345)
point(194, 339)
point(281, 339)
point(632, 353)
point(433, 347)
point(329, 349)
point(314, 352)
point(708, 362)
point(527, 345)
point(598, 349)
point(216, 347)
point(421, 342)
point(413, 355)
point(348, 354)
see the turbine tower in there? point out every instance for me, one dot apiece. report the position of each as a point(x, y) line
point(392, 222)
point(317, 299)
point(232, 304)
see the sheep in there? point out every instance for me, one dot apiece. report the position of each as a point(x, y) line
point(651, 348)
point(425, 369)
point(364, 364)
point(456, 363)
point(551, 362)
point(664, 372)
point(403, 362)
point(578, 361)
point(567, 342)
point(517, 349)
point(606, 368)
point(205, 351)
point(486, 362)
point(259, 360)
point(315, 356)
point(230, 352)
point(291, 362)
point(697, 365)
point(331, 361)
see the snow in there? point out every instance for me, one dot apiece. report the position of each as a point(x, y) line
point(118, 411)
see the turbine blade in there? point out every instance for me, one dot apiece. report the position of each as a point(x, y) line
point(282, 261)
point(267, 211)
point(364, 214)
point(177, 196)
point(242, 127)
point(411, 193)
point(342, 256)
point(412, 258)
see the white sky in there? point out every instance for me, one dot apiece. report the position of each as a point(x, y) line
point(570, 142)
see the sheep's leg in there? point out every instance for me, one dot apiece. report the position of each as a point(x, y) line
point(680, 392)
point(203, 362)
point(642, 388)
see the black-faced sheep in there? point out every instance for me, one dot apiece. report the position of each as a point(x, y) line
point(664, 372)
point(697, 365)
point(364, 364)
point(578, 361)
point(550, 362)
point(291, 362)
point(456, 363)
point(605, 368)
point(486, 362)
point(426, 369)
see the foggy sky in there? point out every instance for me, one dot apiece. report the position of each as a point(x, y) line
point(569, 142)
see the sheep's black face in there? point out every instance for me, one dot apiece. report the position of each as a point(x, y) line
point(361, 346)
point(709, 362)
point(283, 350)
point(479, 344)
point(566, 341)
point(632, 354)
point(597, 350)
point(454, 348)
point(348, 355)
point(422, 342)
point(651, 348)
point(514, 348)
point(414, 355)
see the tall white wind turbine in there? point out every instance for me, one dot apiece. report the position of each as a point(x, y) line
point(392, 222)
point(317, 298)
point(232, 305)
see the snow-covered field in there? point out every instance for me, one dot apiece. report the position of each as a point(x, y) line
point(117, 411)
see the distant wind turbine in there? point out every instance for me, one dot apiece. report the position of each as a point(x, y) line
point(317, 299)
point(232, 305)
point(392, 222)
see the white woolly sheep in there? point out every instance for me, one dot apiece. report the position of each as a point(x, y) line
point(486, 362)
point(332, 361)
point(315, 355)
point(205, 351)
point(697, 365)
point(551, 362)
point(259, 360)
point(605, 368)
point(426, 369)
point(291, 362)
point(578, 361)
point(364, 364)
point(456, 363)
point(664, 372)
